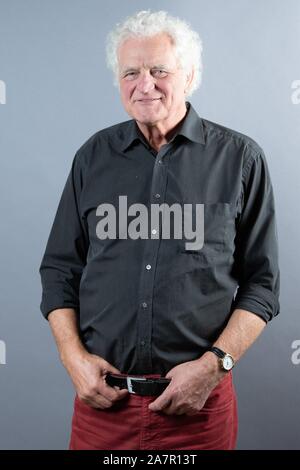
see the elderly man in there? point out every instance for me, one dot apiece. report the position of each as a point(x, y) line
point(149, 326)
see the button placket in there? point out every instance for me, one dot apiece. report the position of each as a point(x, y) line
point(144, 323)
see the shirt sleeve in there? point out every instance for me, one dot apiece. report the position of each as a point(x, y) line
point(66, 250)
point(256, 254)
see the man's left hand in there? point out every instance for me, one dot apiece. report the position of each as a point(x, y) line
point(190, 386)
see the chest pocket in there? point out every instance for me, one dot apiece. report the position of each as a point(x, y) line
point(215, 231)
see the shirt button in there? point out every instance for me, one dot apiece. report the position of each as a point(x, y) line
point(148, 266)
point(144, 305)
point(143, 343)
point(160, 162)
point(157, 196)
point(154, 231)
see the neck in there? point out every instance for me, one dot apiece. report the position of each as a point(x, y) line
point(162, 132)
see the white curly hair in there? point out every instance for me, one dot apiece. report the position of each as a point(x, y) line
point(186, 41)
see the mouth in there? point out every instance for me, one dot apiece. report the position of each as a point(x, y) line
point(148, 100)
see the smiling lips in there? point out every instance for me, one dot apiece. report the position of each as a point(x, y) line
point(148, 100)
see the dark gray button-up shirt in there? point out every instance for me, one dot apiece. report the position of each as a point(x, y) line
point(147, 304)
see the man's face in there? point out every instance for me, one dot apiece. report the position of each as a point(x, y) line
point(151, 83)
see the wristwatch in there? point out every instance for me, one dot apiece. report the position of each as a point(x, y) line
point(225, 359)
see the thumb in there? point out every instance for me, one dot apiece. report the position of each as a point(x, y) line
point(122, 393)
point(107, 367)
point(160, 403)
point(170, 374)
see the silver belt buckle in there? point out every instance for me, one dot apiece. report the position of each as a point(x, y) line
point(132, 379)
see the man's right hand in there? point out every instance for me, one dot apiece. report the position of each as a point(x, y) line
point(87, 372)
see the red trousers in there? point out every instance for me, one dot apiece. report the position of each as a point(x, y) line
point(130, 425)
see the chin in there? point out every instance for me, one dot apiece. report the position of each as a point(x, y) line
point(150, 115)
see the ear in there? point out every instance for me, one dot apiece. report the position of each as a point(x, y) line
point(189, 80)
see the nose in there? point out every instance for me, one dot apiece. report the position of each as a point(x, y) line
point(145, 82)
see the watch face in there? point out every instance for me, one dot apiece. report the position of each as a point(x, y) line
point(228, 362)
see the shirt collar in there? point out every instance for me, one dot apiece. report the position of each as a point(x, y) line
point(191, 128)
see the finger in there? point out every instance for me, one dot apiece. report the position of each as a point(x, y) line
point(112, 393)
point(97, 401)
point(107, 367)
point(169, 375)
point(108, 392)
point(180, 411)
point(170, 410)
point(191, 413)
point(160, 403)
point(122, 393)
point(173, 409)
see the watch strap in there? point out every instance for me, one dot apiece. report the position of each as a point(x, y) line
point(221, 354)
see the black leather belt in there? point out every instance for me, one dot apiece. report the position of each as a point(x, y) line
point(139, 385)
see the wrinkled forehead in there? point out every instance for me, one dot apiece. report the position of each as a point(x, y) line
point(147, 52)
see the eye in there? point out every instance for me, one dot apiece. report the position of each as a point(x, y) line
point(130, 75)
point(159, 73)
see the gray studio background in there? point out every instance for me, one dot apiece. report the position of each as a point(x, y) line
point(58, 93)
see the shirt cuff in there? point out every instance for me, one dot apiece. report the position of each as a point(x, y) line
point(55, 301)
point(258, 300)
